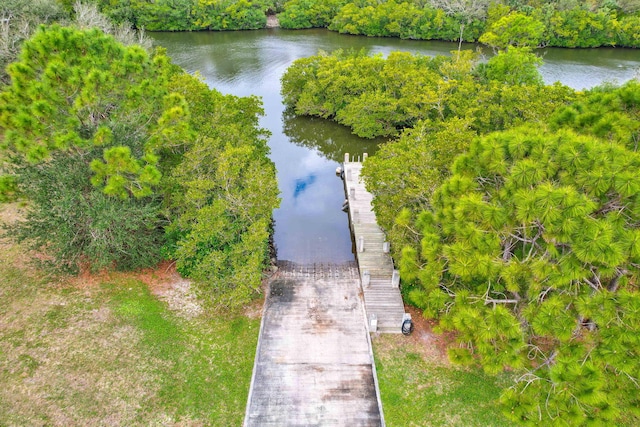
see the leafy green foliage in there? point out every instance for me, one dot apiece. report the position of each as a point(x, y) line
point(374, 96)
point(404, 20)
point(76, 96)
point(115, 163)
point(190, 15)
point(77, 224)
point(380, 97)
point(223, 193)
point(299, 14)
point(229, 15)
point(514, 66)
point(499, 24)
point(514, 29)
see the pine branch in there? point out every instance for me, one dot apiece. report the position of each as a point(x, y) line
point(493, 301)
point(597, 286)
point(507, 252)
point(614, 204)
point(447, 290)
point(550, 360)
point(615, 282)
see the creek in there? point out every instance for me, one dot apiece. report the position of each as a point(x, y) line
point(310, 225)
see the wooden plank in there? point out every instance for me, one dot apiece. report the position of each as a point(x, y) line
point(381, 299)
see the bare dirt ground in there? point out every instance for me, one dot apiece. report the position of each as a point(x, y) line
point(430, 346)
point(434, 346)
point(9, 214)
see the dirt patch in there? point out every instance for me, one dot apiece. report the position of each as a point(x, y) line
point(253, 310)
point(434, 346)
point(431, 346)
point(158, 279)
point(10, 252)
point(10, 213)
point(181, 299)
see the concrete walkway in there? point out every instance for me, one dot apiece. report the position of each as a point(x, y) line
point(314, 364)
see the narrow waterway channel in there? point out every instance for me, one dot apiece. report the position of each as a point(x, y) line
point(310, 226)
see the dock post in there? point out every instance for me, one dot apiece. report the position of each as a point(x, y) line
point(385, 247)
point(395, 279)
point(364, 156)
point(361, 244)
point(366, 278)
point(349, 175)
point(352, 193)
point(356, 216)
point(346, 157)
point(373, 323)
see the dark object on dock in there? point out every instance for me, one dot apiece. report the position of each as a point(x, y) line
point(407, 325)
point(340, 172)
point(345, 205)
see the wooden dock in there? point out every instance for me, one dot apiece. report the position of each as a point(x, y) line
point(380, 282)
point(314, 363)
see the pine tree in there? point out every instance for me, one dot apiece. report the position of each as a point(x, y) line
point(530, 252)
point(82, 122)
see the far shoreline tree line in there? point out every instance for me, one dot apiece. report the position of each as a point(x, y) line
point(559, 23)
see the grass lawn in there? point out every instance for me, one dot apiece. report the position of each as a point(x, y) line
point(112, 351)
point(420, 388)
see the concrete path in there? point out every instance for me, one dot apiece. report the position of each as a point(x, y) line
point(314, 364)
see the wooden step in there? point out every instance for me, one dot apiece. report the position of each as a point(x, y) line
point(380, 297)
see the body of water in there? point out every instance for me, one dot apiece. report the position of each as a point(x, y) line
point(310, 226)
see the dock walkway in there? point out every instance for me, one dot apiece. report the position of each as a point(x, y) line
point(314, 363)
point(380, 282)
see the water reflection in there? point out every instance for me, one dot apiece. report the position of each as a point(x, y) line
point(310, 226)
point(302, 184)
point(330, 139)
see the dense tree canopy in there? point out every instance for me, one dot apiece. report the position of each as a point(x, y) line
point(76, 89)
point(529, 252)
point(309, 13)
point(379, 97)
point(80, 98)
point(190, 15)
point(563, 23)
point(514, 29)
point(118, 168)
point(526, 248)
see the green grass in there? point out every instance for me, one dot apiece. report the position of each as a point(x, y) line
point(113, 353)
point(418, 388)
